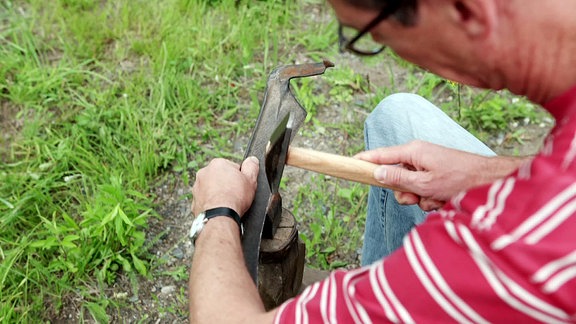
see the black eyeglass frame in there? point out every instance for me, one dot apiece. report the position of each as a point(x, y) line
point(348, 45)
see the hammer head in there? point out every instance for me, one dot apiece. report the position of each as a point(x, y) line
point(278, 103)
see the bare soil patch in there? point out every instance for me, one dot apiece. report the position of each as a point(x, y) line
point(10, 125)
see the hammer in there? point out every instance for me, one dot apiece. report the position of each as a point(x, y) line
point(280, 152)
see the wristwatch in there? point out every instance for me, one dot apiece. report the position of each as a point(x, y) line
point(206, 215)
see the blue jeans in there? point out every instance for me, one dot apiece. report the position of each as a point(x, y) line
point(399, 119)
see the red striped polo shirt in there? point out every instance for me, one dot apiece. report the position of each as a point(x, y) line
point(504, 252)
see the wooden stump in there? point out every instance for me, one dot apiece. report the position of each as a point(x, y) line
point(281, 263)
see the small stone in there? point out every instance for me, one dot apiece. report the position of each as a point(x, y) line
point(166, 290)
point(178, 253)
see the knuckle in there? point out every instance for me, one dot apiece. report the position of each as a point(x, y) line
point(417, 144)
point(425, 184)
point(217, 162)
point(200, 173)
point(395, 178)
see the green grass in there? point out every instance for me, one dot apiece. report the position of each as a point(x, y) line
point(101, 98)
point(332, 214)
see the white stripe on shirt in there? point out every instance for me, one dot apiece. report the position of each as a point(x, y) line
point(333, 295)
point(525, 170)
point(569, 156)
point(481, 210)
point(553, 266)
point(403, 314)
point(555, 273)
point(445, 289)
point(451, 230)
point(493, 214)
point(508, 290)
point(377, 288)
point(324, 301)
point(552, 223)
point(357, 309)
point(428, 284)
point(557, 281)
point(348, 285)
point(301, 312)
point(536, 219)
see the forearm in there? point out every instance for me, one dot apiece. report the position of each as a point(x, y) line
point(497, 167)
point(221, 289)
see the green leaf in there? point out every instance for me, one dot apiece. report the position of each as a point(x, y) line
point(120, 231)
point(139, 265)
point(69, 221)
point(98, 312)
point(138, 239)
point(7, 203)
point(124, 217)
point(45, 244)
point(110, 216)
point(329, 250)
point(345, 193)
point(68, 241)
point(338, 264)
point(125, 263)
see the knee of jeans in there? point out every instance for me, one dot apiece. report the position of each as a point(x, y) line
point(398, 106)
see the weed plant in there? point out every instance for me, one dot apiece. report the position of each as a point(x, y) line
point(100, 98)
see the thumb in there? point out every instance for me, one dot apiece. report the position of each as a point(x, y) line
point(395, 177)
point(250, 168)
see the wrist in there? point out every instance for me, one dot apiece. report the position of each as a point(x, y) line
point(212, 215)
point(223, 229)
point(504, 165)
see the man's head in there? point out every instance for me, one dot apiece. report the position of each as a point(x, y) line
point(436, 34)
point(485, 43)
point(405, 10)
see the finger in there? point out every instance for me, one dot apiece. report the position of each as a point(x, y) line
point(220, 162)
point(406, 198)
point(387, 155)
point(397, 177)
point(430, 204)
point(250, 168)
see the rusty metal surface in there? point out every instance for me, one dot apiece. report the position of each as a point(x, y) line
point(278, 102)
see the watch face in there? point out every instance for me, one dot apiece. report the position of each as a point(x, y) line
point(197, 226)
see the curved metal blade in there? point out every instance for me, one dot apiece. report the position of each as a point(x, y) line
point(278, 102)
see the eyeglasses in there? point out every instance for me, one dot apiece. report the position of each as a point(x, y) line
point(365, 47)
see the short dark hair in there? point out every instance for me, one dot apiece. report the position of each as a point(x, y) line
point(406, 13)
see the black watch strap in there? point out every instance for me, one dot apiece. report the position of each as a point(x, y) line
point(223, 211)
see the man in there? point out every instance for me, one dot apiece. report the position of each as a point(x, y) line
point(501, 249)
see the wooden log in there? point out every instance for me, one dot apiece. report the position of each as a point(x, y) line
point(281, 263)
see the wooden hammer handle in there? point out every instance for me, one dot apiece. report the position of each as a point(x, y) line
point(333, 165)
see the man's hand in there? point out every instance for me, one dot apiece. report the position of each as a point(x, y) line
point(431, 174)
point(225, 184)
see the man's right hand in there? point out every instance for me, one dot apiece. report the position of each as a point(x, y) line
point(430, 174)
point(224, 184)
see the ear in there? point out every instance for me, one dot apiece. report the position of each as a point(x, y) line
point(476, 17)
